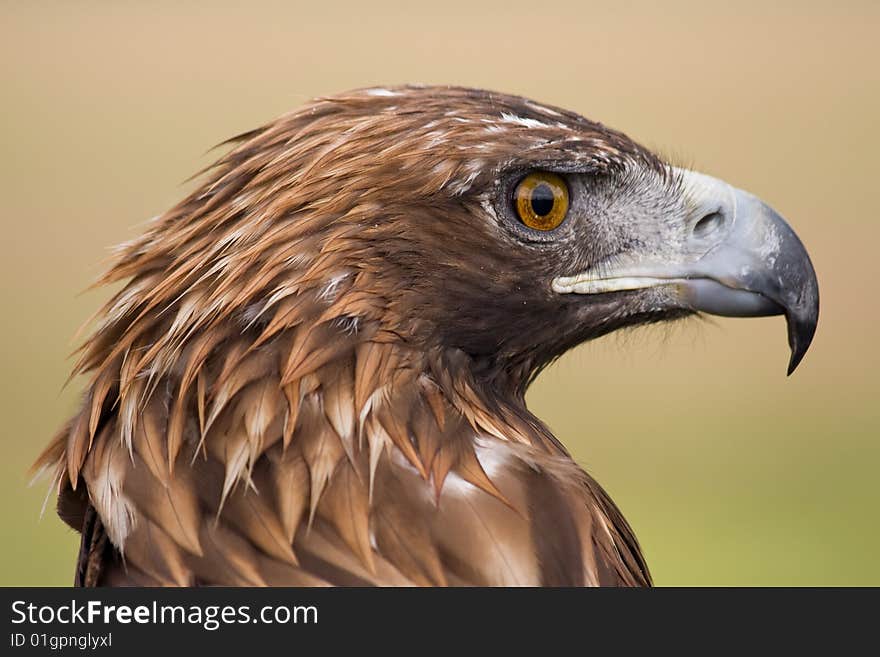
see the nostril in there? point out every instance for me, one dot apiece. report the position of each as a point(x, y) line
point(708, 224)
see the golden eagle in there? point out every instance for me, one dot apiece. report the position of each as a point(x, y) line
point(314, 373)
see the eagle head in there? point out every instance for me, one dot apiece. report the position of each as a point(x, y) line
point(345, 315)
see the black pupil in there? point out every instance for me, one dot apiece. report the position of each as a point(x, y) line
point(542, 200)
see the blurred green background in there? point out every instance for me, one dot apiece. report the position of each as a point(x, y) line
point(730, 473)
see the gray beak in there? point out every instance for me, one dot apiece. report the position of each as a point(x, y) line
point(738, 258)
point(759, 268)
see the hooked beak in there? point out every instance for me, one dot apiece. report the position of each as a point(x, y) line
point(739, 258)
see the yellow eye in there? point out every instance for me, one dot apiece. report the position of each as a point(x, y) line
point(541, 200)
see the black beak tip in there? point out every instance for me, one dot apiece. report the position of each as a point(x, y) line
point(800, 334)
point(794, 361)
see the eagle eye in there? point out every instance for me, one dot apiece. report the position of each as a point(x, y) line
point(541, 200)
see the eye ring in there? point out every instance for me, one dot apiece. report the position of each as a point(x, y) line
point(541, 200)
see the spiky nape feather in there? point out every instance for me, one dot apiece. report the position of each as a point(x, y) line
point(281, 393)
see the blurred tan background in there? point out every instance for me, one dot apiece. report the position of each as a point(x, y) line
point(730, 473)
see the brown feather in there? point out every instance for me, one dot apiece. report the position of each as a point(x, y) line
point(247, 511)
point(149, 441)
point(289, 478)
point(77, 446)
point(339, 406)
point(402, 532)
point(345, 505)
point(171, 505)
point(291, 393)
point(228, 559)
point(157, 555)
point(321, 449)
point(100, 389)
point(180, 416)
